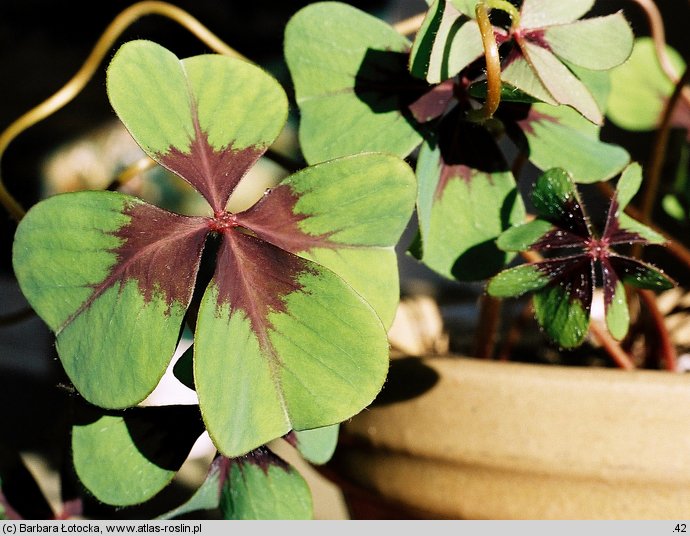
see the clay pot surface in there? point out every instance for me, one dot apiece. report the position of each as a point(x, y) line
point(460, 438)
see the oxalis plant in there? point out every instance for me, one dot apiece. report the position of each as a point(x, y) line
point(289, 301)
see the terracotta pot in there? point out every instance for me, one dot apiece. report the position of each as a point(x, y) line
point(459, 438)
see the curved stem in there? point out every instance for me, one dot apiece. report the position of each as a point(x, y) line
point(619, 356)
point(667, 351)
point(493, 66)
point(140, 166)
point(487, 326)
point(659, 151)
point(658, 34)
point(75, 85)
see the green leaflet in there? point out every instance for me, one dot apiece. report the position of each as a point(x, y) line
point(540, 13)
point(445, 44)
point(617, 314)
point(99, 273)
point(639, 88)
point(522, 237)
point(558, 136)
point(564, 320)
point(559, 81)
point(262, 486)
point(126, 458)
point(347, 215)
point(259, 486)
point(347, 67)
point(517, 281)
point(453, 196)
point(599, 43)
point(160, 98)
point(281, 342)
point(311, 359)
point(317, 445)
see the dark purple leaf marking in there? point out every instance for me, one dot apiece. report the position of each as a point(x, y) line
point(214, 173)
point(520, 36)
point(610, 280)
point(573, 217)
point(467, 150)
point(557, 238)
point(562, 208)
point(557, 202)
point(614, 234)
point(262, 458)
point(253, 277)
point(433, 103)
point(536, 36)
point(574, 275)
point(160, 250)
point(639, 274)
point(274, 219)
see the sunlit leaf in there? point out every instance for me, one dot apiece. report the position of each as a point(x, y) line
point(213, 109)
point(518, 72)
point(464, 184)
point(598, 43)
point(559, 81)
point(445, 44)
point(350, 73)
point(558, 136)
point(540, 13)
point(118, 267)
point(330, 213)
point(281, 341)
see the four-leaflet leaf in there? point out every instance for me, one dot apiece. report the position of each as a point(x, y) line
point(285, 336)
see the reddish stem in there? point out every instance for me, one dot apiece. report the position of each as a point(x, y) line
point(659, 152)
point(667, 350)
point(608, 343)
point(487, 326)
point(515, 332)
